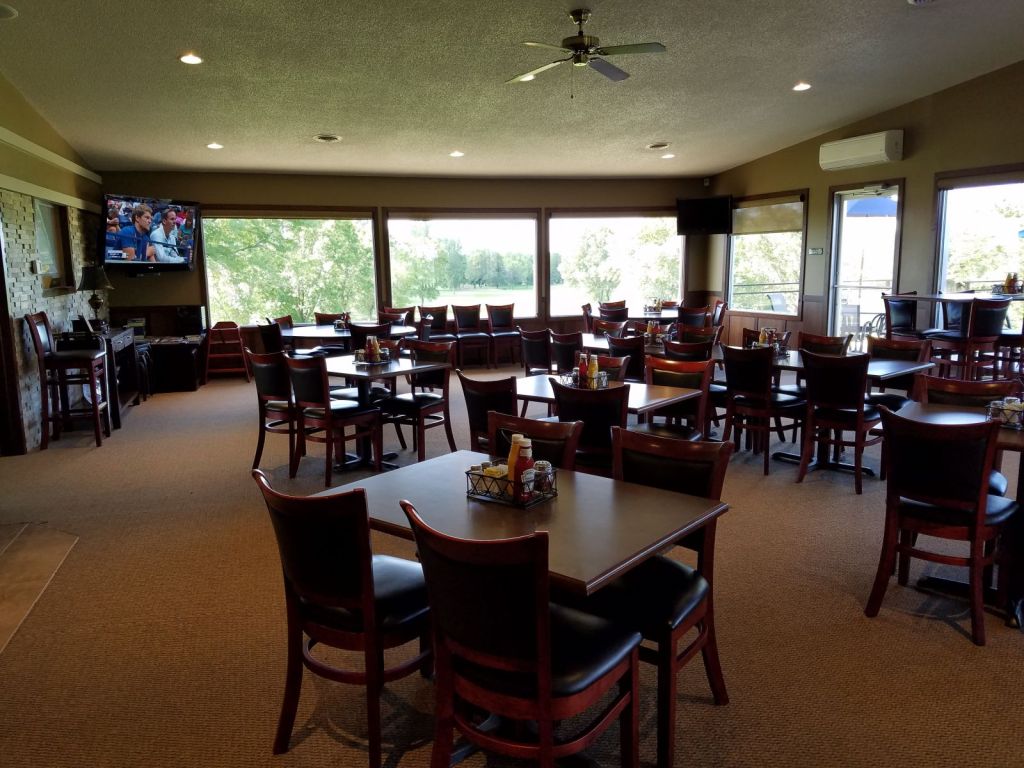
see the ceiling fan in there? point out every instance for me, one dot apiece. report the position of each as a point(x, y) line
point(586, 50)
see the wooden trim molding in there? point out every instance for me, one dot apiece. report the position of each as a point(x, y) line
point(42, 153)
point(34, 190)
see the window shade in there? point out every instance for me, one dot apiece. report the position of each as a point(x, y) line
point(759, 217)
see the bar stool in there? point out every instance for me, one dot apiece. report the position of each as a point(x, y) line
point(58, 369)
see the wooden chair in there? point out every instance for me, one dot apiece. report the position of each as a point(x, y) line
point(502, 648)
point(471, 332)
point(565, 350)
point(896, 348)
point(681, 350)
point(718, 312)
point(435, 321)
point(504, 331)
point(609, 328)
point(482, 397)
point(599, 410)
point(536, 352)
point(619, 304)
point(396, 318)
point(330, 318)
point(422, 408)
point(339, 594)
point(835, 405)
point(284, 321)
point(252, 340)
point(633, 347)
point(751, 401)
point(323, 419)
point(613, 314)
point(900, 318)
point(588, 318)
point(971, 349)
point(937, 487)
point(669, 304)
point(554, 441)
point(359, 331)
point(224, 351)
point(277, 413)
point(683, 421)
point(615, 367)
point(694, 317)
point(59, 369)
point(664, 599)
point(409, 313)
point(690, 334)
point(819, 345)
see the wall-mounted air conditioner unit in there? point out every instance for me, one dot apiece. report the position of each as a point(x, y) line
point(874, 148)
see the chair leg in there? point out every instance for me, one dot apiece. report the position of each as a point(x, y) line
point(292, 685)
point(421, 437)
point(378, 446)
point(712, 665)
point(44, 410)
point(666, 705)
point(807, 447)
point(858, 462)
point(886, 561)
point(401, 437)
point(629, 720)
point(977, 587)
point(374, 661)
point(262, 439)
point(444, 712)
point(448, 429)
point(903, 559)
point(329, 450)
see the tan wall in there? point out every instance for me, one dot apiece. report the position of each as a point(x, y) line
point(976, 124)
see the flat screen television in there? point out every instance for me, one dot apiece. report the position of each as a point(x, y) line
point(704, 215)
point(146, 234)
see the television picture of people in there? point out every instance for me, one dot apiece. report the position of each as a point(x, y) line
point(144, 230)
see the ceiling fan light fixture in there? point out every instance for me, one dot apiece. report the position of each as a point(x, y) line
point(802, 86)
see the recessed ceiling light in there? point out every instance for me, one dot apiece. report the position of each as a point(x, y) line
point(7, 12)
point(667, 156)
point(658, 145)
point(327, 138)
point(802, 86)
point(456, 153)
point(215, 145)
point(190, 58)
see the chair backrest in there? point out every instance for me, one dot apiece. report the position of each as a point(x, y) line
point(324, 544)
point(693, 317)
point(359, 333)
point(609, 328)
point(224, 332)
point(916, 350)
point(483, 396)
point(612, 304)
point(614, 314)
point(835, 381)
point(432, 352)
point(633, 347)
point(397, 318)
point(554, 441)
point(252, 339)
point(942, 464)
point(952, 315)
point(536, 349)
point(273, 340)
point(900, 314)
point(329, 318)
point(681, 350)
point(686, 374)
point(270, 370)
point(695, 468)
point(669, 303)
point(690, 334)
point(751, 336)
point(598, 409)
point(748, 372)
point(409, 313)
point(969, 394)
point(467, 318)
point(823, 345)
point(439, 317)
point(42, 335)
point(488, 599)
point(285, 321)
point(588, 318)
point(564, 349)
point(502, 316)
point(615, 367)
point(718, 312)
point(986, 318)
point(308, 376)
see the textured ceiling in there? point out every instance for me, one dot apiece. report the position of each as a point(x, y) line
point(404, 82)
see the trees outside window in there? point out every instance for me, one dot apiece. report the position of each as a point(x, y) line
point(258, 268)
point(447, 260)
point(609, 258)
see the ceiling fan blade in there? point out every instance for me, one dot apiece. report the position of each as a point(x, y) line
point(607, 69)
point(526, 76)
point(615, 50)
point(535, 44)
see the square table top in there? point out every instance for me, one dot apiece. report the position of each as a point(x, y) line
point(598, 528)
point(878, 369)
point(327, 333)
point(643, 398)
point(1007, 439)
point(346, 365)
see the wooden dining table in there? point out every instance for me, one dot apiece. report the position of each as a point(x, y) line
point(598, 528)
point(642, 398)
point(1006, 440)
point(327, 334)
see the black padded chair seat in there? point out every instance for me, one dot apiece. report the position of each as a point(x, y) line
point(793, 390)
point(411, 401)
point(676, 432)
point(345, 393)
point(400, 592)
point(998, 509)
point(652, 599)
point(277, 405)
point(503, 334)
point(777, 400)
point(891, 400)
point(940, 334)
point(340, 409)
point(584, 647)
point(998, 485)
point(469, 335)
point(848, 415)
point(72, 355)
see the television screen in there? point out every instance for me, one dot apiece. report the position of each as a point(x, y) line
point(705, 215)
point(145, 234)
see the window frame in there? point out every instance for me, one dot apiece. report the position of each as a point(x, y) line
point(63, 276)
point(427, 213)
point(646, 211)
point(804, 197)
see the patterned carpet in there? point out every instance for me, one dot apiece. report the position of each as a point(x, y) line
point(160, 640)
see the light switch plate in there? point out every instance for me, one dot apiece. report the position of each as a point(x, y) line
point(815, 251)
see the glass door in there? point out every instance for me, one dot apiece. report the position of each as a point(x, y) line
point(864, 259)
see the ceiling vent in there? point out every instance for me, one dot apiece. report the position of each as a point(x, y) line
point(872, 149)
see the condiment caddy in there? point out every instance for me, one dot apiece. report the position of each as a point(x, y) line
point(519, 481)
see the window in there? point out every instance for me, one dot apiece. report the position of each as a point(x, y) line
point(53, 245)
point(461, 259)
point(258, 268)
point(982, 237)
point(766, 254)
point(613, 257)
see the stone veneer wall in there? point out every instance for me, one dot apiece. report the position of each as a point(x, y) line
point(25, 292)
